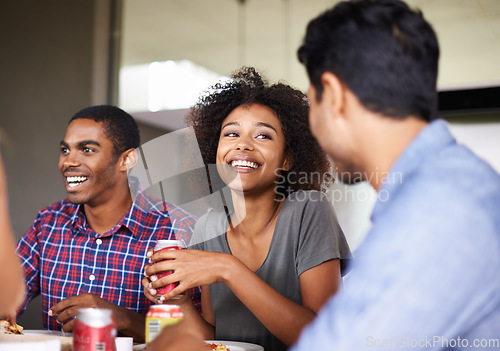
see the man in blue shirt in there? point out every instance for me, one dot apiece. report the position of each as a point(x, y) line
point(427, 275)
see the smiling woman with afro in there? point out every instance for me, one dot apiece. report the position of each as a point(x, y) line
point(311, 168)
point(268, 264)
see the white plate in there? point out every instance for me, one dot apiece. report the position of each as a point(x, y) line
point(238, 346)
point(45, 332)
point(233, 345)
point(45, 345)
point(122, 343)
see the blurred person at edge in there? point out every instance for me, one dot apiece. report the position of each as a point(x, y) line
point(429, 267)
point(11, 274)
point(270, 261)
point(89, 250)
point(427, 274)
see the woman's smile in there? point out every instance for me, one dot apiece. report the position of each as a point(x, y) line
point(244, 164)
point(252, 144)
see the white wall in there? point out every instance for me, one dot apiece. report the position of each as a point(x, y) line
point(483, 139)
point(354, 204)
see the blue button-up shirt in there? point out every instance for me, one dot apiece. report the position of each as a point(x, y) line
point(427, 276)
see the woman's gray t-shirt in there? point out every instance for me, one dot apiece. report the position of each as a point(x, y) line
point(307, 234)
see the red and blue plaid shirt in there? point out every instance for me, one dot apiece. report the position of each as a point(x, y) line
point(63, 257)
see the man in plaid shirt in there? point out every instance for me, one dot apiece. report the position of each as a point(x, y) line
point(89, 250)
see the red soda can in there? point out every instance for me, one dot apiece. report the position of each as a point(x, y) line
point(94, 330)
point(167, 245)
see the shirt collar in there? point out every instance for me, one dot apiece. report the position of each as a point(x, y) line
point(430, 140)
point(135, 216)
point(79, 220)
point(132, 220)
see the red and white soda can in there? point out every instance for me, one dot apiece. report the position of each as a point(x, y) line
point(94, 330)
point(167, 245)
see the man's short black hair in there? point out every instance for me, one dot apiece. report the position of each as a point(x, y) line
point(383, 51)
point(120, 127)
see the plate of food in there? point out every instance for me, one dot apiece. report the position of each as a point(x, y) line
point(32, 339)
point(7, 328)
point(223, 345)
point(220, 345)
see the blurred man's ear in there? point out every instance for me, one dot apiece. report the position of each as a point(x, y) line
point(128, 159)
point(333, 93)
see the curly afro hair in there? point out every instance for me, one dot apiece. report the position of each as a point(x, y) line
point(311, 168)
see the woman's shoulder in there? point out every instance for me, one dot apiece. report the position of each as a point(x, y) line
point(209, 225)
point(212, 218)
point(213, 214)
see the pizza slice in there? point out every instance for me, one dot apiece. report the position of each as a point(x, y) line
point(7, 328)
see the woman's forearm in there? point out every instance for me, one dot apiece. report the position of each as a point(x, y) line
point(11, 274)
point(190, 312)
point(283, 317)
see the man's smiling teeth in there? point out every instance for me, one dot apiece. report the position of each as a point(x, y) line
point(74, 181)
point(241, 163)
